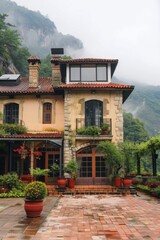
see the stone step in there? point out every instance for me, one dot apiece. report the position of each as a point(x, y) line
point(90, 189)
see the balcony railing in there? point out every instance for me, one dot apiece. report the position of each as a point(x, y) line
point(82, 130)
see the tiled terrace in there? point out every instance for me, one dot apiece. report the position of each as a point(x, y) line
point(83, 217)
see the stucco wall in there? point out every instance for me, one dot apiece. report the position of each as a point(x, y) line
point(31, 112)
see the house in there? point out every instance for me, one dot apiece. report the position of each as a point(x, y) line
point(56, 110)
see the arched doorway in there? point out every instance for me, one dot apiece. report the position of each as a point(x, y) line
point(92, 167)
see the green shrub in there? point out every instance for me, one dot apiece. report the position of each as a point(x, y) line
point(91, 130)
point(13, 193)
point(12, 129)
point(136, 181)
point(143, 187)
point(9, 180)
point(71, 168)
point(157, 191)
point(35, 190)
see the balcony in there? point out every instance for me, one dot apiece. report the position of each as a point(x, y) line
point(93, 132)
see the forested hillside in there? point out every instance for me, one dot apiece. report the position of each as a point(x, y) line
point(39, 34)
point(144, 103)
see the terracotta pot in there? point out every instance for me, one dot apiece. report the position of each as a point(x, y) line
point(71, 182)
point(117, 182)
point(4, 190)
point(127, 182)
point(33, 208)
point(61, 182)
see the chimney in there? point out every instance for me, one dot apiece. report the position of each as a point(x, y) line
point(34, 62)
point(55, 61)
point(56, 73)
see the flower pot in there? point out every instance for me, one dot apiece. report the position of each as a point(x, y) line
point(4, 189)
point(61, 182)
point(127, 182)
point(71, 182)
point(117, 182)
point(33, 208)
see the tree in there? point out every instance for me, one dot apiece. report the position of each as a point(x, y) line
point(134, 129)
point(45, 68)
point(10, 46)
point(113, 157)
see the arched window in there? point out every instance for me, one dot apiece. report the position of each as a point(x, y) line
point(93, 113)
point(47, 113)
point(11, 113)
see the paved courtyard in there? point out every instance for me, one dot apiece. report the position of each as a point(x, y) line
point(87, 217)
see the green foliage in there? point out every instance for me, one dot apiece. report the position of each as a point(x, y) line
point(45, 67)
point(71, 168)
point(20, 60)
point(54, 169)
point(13, 193)
point(156, 191)
point(9, 180)
point(105, 126)
point(10, 46)
point(7, 128)
point(134, 129)
point(91, 130)
point(128, 150)
point(136, 181)
point(36, 172)
point(143, 187)
point(113, 156)
point(153, 143)
point(35, 191)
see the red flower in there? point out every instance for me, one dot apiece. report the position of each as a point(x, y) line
point(24, 152)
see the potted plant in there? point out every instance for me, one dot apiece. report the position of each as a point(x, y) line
point(38, 172)
point(71, 168)
point(119, 176)
point(61, 180)
point(105, 128)
point(34, 193)
point(89, 131)
point(54, 172)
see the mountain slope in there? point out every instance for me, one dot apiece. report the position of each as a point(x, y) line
point(144, 103)
point(38, 33)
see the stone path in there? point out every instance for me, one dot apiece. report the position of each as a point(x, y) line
point(90, 217)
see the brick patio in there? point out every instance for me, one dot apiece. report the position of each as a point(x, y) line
point(84, 217)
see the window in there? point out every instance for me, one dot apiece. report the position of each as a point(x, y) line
point(88, 73)
point(11, 113)
point(93, 113)
point(47, 113)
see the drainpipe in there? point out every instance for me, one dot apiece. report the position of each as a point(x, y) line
point(60, 171)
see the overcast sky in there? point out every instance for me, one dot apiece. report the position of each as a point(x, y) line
point(128, 30)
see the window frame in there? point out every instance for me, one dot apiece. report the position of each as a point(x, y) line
point(47, 112)
point(91, 118)
point(11, 116)
point(85, 66)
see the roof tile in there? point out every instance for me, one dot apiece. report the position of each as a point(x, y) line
point(45, 86)
point(95, 85)
point(34, 135)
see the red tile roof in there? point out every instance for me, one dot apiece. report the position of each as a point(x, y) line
point(95, 85)
point(85, 60)
point(45, 86)
point(33, 136)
